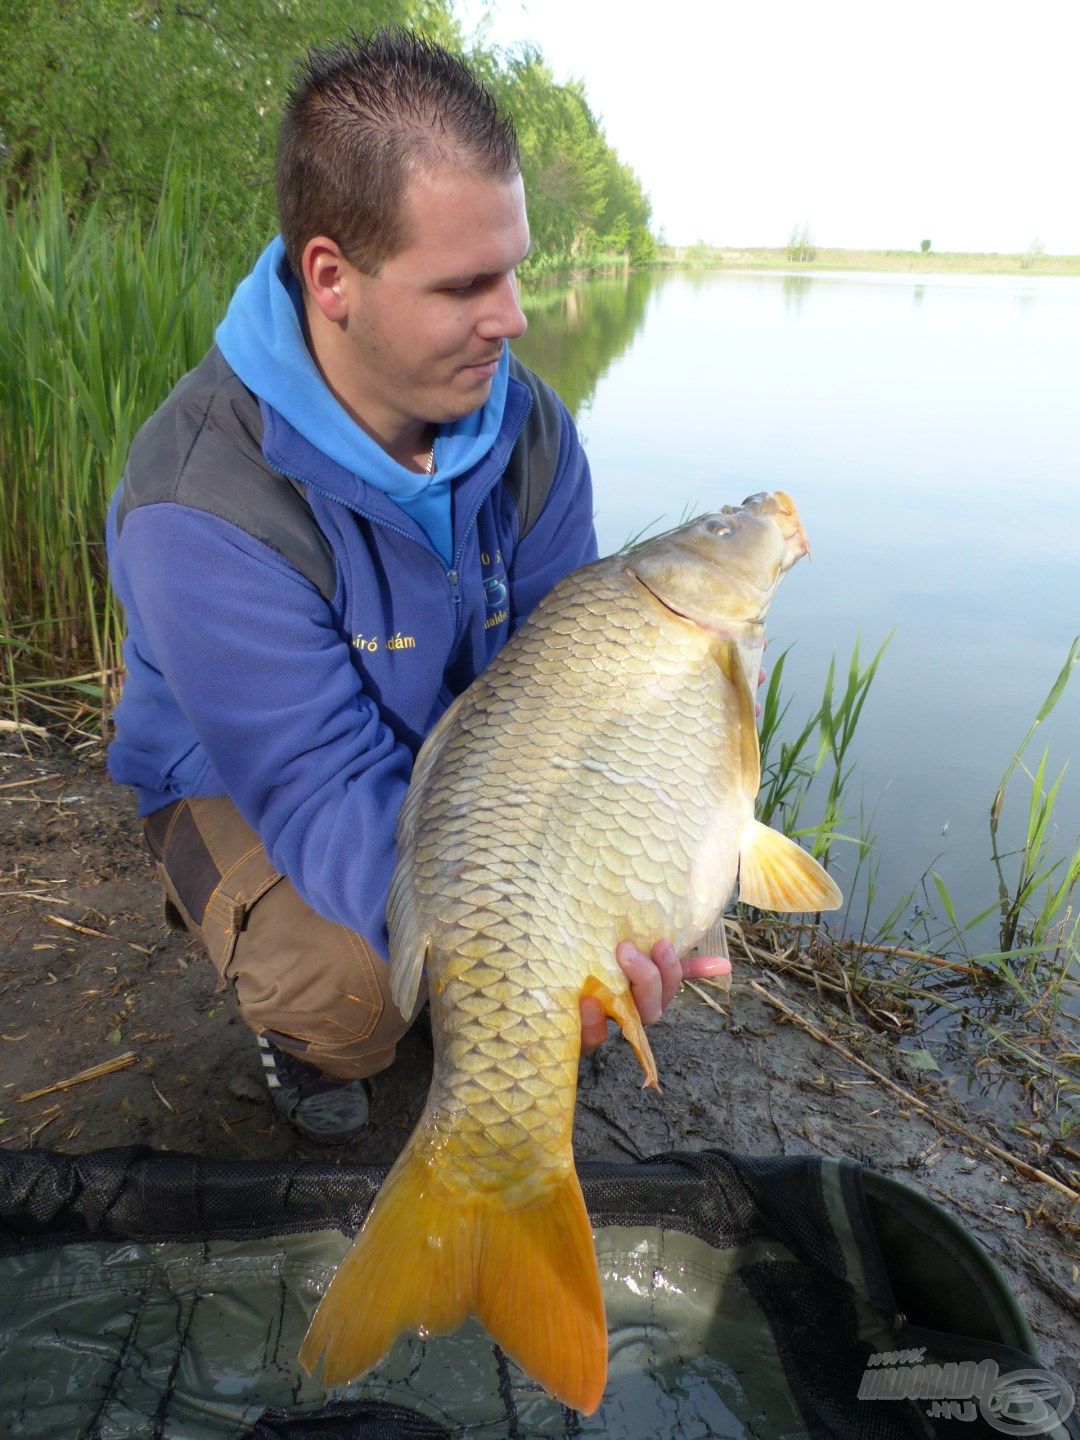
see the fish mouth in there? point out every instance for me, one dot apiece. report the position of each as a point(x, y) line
point(784, 515)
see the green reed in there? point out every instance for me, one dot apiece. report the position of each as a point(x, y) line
point(790, 768)
point(1037, 929)
point(100, 320)
point(808, 768)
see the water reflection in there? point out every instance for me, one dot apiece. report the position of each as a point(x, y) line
point(576, 332)
point(796, 290)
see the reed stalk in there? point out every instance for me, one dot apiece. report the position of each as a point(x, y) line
point(102, 317)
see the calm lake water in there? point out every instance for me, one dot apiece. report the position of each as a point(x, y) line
point(929, 431)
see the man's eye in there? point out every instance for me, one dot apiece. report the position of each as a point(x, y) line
point(459, 289)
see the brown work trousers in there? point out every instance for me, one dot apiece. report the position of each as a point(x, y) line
point(314, 988)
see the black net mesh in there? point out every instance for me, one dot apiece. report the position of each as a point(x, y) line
point(359, 1421)
point(804, 1286)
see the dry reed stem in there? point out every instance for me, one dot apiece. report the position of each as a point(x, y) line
point(34, 895)
point(33, 780)
point(81, 929)
point(95, 1072)
point(1030, 1171)
point(46, 1118)
point(898, 950)
point(707, 998)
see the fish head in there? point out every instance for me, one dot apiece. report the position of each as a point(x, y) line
point(721, 570)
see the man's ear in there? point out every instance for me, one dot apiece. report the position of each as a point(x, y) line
point(326, 277)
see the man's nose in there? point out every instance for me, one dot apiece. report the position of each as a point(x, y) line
point(505, 319)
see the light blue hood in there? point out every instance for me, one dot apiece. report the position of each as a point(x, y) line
point(262, 339)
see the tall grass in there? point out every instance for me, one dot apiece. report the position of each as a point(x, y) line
point(100, 320)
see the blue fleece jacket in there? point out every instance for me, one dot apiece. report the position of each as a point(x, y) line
point(243, 680)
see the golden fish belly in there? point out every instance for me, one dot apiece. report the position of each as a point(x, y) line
point(552, 828)
point(587, 791)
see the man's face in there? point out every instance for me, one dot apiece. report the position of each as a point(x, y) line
point(425, 333)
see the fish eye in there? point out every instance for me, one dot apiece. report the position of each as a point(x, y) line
point(717, 527)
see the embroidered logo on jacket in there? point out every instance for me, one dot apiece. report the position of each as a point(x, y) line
point(496, 592)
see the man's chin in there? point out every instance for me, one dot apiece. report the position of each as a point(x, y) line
point(468, 399)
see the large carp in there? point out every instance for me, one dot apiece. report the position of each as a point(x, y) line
point(595, 784)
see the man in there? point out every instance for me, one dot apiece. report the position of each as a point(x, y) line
point(322, 536)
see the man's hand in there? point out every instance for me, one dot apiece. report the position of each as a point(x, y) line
point(654, 983)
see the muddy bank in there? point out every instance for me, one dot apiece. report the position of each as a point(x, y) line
point(90, 974)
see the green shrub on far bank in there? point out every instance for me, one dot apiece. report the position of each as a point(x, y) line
point(113, 89)
point(800, 246)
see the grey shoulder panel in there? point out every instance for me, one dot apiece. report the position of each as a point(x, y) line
point(202, 448)
point(530, 472)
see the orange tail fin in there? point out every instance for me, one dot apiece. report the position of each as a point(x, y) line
point(427, 1257)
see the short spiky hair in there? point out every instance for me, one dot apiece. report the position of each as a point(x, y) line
point(362, 117)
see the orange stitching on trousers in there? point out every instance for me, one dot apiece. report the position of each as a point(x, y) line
point(364, 955)
point(234, 900)
point(169, 828)
point(237, 863)
point(204, 837)
point(228, 940)
point(261, 891)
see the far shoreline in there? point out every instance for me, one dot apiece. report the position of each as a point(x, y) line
point(914, 262)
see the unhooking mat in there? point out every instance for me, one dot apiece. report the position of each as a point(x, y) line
point(146, 1294)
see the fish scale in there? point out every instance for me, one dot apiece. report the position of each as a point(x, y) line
point(595, 884)
point(594, 784)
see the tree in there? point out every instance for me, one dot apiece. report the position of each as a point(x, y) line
point(117, 90)
point(114, 89)
point(924, 246)
point(800, 244)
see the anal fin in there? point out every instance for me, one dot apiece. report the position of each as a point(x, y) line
point(714, 942)
point(624, 1012)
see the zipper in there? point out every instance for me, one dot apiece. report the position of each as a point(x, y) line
point(451, 571)
point(452, 575)
point(375, 519)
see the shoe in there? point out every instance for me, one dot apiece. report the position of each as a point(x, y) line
point(328, 1111)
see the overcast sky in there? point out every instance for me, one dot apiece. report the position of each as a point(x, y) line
point(881, 125)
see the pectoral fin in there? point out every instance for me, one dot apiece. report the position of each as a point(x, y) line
point(624, 1012)
point(775, 874)
point(730, 662)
